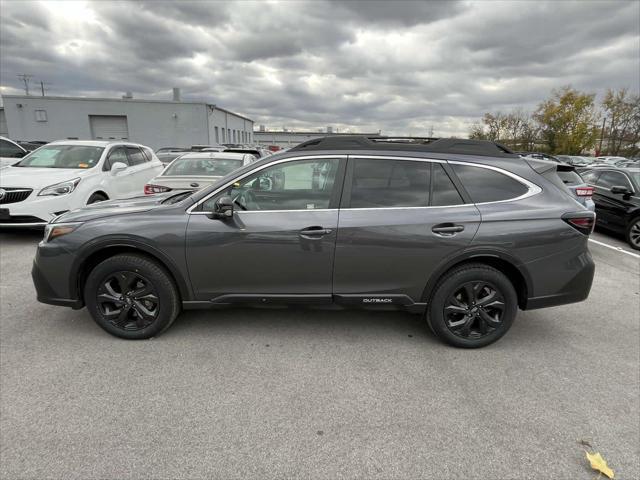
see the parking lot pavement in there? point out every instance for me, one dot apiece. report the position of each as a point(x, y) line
point(313, 393)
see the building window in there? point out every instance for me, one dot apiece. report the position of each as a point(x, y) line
point(41, 115)
point(217, 139)
point(229, 135)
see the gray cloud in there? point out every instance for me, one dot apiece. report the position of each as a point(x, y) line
point(397, 66)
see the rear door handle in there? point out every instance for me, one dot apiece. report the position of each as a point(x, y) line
point(447, 229)
point(315, 232)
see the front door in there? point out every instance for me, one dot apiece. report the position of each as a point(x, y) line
point(399, 220)
point(279, 243)
point(611, 208)
point(122, 183)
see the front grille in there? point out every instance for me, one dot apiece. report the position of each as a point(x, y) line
point(14, 195)
point(18, 219)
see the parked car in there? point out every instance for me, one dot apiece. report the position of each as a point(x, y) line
point(455, 230)
point(577, 160)
point(10, 152)
point(609, 160)
point(617, 200)
point(69, 174)
point(211, 148)
point(168, 154)
point(196, 170)
point(578, 188)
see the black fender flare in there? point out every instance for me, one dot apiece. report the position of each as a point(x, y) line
point(130, 243)
point(469, 255)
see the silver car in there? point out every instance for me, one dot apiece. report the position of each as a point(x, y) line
point(195, 170)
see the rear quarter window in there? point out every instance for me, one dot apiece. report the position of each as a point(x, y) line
point(485, 185)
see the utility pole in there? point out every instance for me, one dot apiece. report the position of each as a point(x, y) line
point(42, 84)
point(25, 78)
point(604, 121)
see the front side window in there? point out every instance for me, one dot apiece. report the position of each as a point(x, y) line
point(216, 167)
point(486, 185)
point(116, 155)
point(613, 179)
point(390, 183)
point(295, 185)
point(9, 150)
point(63, 156)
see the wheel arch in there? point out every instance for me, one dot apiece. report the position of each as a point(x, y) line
point(97, 253)
point(517, 275)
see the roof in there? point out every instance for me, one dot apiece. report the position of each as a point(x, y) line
point(408, 144)
point(213, 155)
point(286, 132)
point(93, 143)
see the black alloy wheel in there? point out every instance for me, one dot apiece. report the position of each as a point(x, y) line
point(132, 296)
point(128, 301)
point(474, 310)
point(633, 233)
point(472, 306)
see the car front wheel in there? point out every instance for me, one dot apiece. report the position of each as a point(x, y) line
point(472, 306)
point(131, 296)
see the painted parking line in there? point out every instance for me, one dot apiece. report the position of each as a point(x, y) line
point(617, 249)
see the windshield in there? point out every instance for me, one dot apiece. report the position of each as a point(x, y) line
point(215, 167)
point(63, 156)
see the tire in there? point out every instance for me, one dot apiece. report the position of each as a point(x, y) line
point(632, 233)
point(150, 302)
point(463, 323)
point(96, 197)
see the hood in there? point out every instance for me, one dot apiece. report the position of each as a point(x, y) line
point(184, 181)
point(115, 207)
point(37, 178)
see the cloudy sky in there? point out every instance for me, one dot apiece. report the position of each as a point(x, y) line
point(402, 67)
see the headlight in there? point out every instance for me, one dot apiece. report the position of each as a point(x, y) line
point(55, 230)
point(62, 188)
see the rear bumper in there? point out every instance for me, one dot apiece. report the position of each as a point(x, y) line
point(575, 290)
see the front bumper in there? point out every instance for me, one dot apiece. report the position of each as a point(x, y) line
point(34, 211)
point(50, 274)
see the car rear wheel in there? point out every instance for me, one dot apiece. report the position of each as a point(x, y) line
point(472, 306)
point(131, 296)
point(633, 233)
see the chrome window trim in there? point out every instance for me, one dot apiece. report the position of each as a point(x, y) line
point(251, 172)
point(532, 188)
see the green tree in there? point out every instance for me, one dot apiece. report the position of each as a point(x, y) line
point(568, 121)
point(622, 116)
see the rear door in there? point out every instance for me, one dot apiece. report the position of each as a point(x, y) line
point(399, 219)
point(142, 170)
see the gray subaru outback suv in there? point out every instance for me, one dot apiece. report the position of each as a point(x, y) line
point(463, 232)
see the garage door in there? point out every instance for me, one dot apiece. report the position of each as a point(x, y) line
point(109, 127)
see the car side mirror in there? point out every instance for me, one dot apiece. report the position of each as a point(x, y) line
point(118, 167)
point(618, 190)
point(223, 208)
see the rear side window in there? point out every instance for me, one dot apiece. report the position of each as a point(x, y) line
point(485, 185)
point(443, 191)
point(390, 183)
point(570, 178)
point(136, 157)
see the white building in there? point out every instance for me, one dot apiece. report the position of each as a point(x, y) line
point(155, 123)
point(286, 139)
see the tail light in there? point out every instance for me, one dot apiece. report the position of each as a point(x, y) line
point(584, 191)
point(150, 189)
point(583, 222)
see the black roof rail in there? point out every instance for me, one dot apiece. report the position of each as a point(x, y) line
point(412, 144)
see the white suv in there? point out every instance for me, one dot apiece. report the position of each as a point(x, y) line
point(69, 174)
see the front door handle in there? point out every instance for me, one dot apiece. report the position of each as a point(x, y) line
point(447, 229)
point(315, 232)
